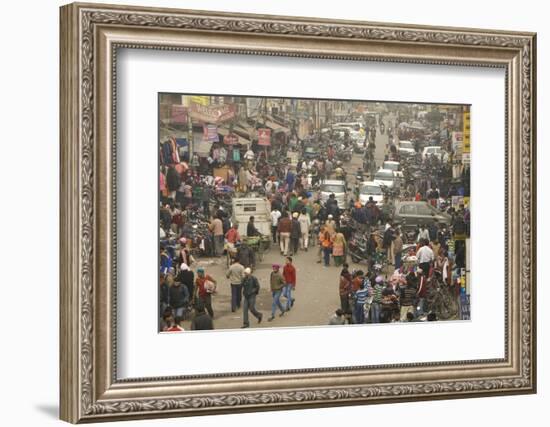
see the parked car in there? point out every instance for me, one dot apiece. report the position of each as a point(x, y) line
point(410, 214)
point(369, 189)
point(338, 187)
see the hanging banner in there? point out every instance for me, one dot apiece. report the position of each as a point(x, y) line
point(230, 139)
point(212, 113)
point(264, 137)
point(179, 114)
point(210, 133)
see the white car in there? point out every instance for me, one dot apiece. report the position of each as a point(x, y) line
point(394, 166)
point(407, 148)
point(336, 187)
point(386, 177)
point(369, 189)
point(432, 151)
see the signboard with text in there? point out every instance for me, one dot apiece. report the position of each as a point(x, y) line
point(466, 133)
point(212, 113)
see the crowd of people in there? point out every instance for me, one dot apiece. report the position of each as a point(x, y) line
point(403, 270)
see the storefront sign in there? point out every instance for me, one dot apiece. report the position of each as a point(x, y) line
point(210, 133)
point(466, 133)
point(179, 114)
point(264, 136)
point(212, 113)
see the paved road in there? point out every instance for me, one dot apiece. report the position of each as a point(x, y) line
point(316, 292)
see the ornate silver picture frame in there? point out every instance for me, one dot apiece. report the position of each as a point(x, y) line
point(91, 34)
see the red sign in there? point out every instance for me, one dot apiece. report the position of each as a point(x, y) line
point(212, 113)
point(230, 139)
point(179, 114)
point(264, 136)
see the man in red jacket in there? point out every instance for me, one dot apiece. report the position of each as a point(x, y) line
point(289, 273)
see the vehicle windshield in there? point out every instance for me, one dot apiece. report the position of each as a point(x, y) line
point(433, 150)
point(310, 150)
point(385, 175)
point(391, 166)
point(333, 188)
point(371, 189)
point(406, 144)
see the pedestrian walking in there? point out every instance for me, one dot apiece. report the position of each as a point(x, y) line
point(423, 234)
point(338, 249)
point(305, 224)
point(164, 294)
point(295, 234)
point(216, 228)
point(202, 320)
point(251, 288)
point(360, 299)
point(344, 289)
point(179, 299)
point(187, 278)
point(289, 274)
point(425, 256)
point(277, 283)
point(235, 274)
point(397, 249)
point(275, 215)
point(284, 228)
point(407, 297)
point(376, 305)
point(205, 286)
point(326, 245)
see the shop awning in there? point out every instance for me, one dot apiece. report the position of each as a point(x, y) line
point(276, 127)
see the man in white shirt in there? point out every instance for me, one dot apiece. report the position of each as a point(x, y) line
point(305, 223)
point(275, 215)
point(425, 256)
point(423, 234)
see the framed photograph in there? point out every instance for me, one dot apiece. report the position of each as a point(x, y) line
point(268, 212)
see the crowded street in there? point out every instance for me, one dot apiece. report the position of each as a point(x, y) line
point(286, 213)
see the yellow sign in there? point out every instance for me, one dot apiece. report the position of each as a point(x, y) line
point(466, 132)
point(202, 100)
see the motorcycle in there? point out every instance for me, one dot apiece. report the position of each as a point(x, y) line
point(357, 248)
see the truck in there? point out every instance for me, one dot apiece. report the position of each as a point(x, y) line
point(258, 207)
